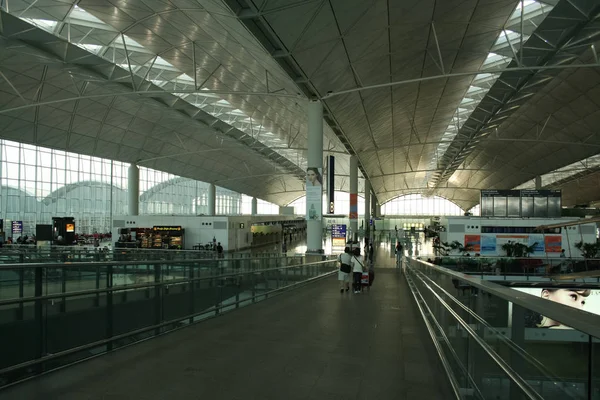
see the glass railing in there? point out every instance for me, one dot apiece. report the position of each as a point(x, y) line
point(526, 266)
point(32, 254)
point(493, 344)
point(52, 315)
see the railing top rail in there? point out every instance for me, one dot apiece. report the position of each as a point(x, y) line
point(577, 319)
point(113, 263)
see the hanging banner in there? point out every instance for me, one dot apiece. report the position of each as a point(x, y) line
point(331, 184)
point(553, 244)
point(473, 242)
point(314, 193)
point(353, 206)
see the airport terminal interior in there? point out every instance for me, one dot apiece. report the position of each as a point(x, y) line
point(299, 199)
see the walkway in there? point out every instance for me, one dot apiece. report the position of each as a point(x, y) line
point(312, 343)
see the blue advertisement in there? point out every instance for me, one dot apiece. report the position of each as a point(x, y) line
point(538, 240)
point(488, 244)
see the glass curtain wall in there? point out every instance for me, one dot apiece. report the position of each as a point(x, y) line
point(341, 199)
point(416, 204)
point(38, 183)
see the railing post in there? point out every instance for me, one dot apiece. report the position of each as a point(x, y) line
point(21, 292)
point(109, 307)
point(158, 297)
point(192, 290)
point(517, 332)
point(124, 294)
point(253, 282)
point(97, 299)
point(40, 343)
point(63, 288)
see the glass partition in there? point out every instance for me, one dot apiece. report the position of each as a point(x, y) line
point(497, 342)
point(62, 313)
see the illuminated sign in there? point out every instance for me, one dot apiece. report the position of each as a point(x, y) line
point(17, 227)
point(70, 227)
point(338, 235)
point(167, 228)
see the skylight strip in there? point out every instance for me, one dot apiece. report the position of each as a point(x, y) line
point(565, 172)
point(483, 82)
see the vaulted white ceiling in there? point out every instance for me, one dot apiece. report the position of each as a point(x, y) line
point(440, 98)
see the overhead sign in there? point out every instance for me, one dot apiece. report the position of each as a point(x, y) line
point(338, 235)
point(167, 228)
point(17, 227)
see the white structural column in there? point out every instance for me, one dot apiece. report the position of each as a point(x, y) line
point(254, 206)
point(314, 181)
point(212, 197)
point(133, 190)
point(538, 182)
point(354, 193)
point(367, 205)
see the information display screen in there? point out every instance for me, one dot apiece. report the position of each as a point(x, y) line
point(521, 203)
point(338, 235)
point(17, 228)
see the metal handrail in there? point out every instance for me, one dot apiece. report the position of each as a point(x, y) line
point(512, 345)
point(580, 320)
point(150, 284)
point(125, 262)
point(508, 370)
point(445, 364)
point(142, 330)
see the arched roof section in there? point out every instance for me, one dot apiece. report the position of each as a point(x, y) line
point(361, 195)
point(17, 190)
point(159, 187)
point(64, 190)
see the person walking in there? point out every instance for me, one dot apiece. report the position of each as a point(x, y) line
point(345, 260)
point(357, 270)
point(399, 255)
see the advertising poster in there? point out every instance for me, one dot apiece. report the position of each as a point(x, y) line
point(583, 299)
point(353, 206)
point(501, 240)
point(338, 235)
point(553, 244)
point(314, 193)
point(473, 242)
point(538, 240)
point(488, 245)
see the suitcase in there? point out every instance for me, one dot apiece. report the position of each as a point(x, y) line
point(364, 279)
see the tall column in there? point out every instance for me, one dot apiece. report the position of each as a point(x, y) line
point(314, 178)
point(133, 190)
point(538, 182)
point(374, 205)
point(254, 206)
point(354, 197)
point(212, 197)
point(367, 206)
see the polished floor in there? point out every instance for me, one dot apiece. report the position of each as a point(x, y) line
point(310, 343)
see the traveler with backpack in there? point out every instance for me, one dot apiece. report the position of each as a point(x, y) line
point(345, 260)
point(399, 255)
point(357, 269)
